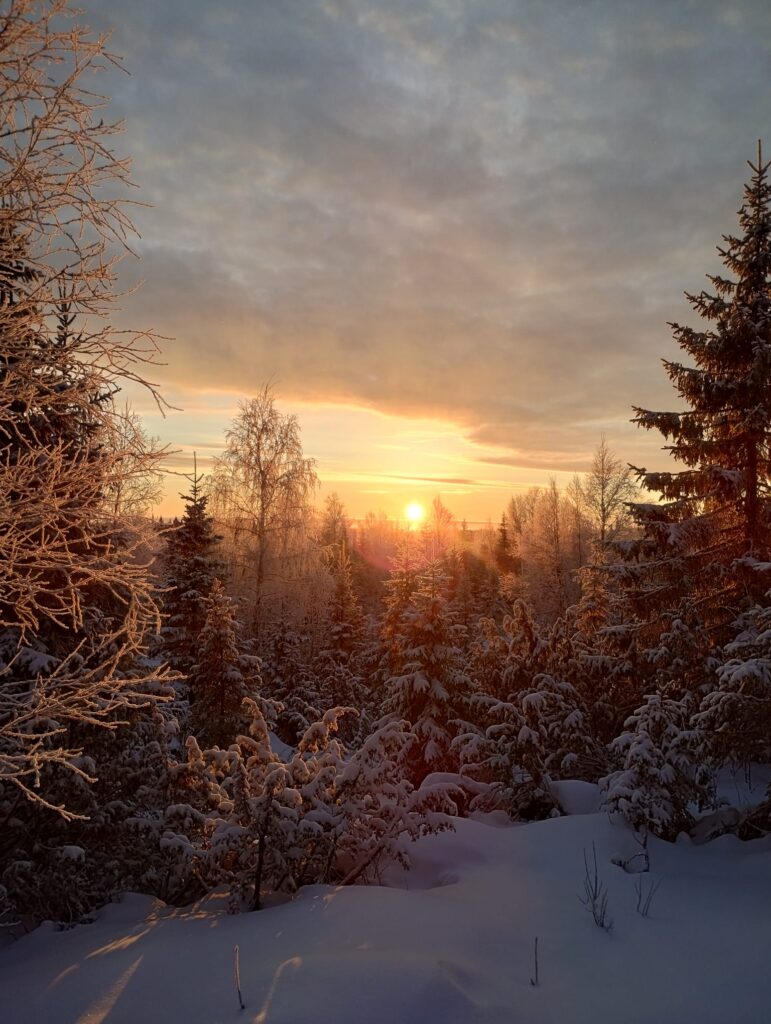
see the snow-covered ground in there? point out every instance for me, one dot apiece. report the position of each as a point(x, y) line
point(450, 942)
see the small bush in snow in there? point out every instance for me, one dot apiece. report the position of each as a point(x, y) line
point(659, 779)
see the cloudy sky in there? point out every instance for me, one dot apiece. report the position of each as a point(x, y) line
point(452, 231)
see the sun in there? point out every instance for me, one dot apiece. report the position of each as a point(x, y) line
point(414, 512)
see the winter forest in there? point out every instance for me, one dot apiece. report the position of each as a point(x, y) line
point(547, 738)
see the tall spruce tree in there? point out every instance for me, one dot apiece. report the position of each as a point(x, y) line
point(399, 590)
point(711, 528)
point(345, 617)
point(432, 691)
point(224, 673)
point(191, 569)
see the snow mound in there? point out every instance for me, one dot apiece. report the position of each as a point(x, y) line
point(576, 797)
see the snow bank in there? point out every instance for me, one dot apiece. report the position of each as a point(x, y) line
point(451, 945)
point(576, 797)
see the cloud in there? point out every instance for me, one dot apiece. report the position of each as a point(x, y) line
point(482, 211)
point(453, 480)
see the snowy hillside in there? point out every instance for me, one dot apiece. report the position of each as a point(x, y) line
point(450, 942)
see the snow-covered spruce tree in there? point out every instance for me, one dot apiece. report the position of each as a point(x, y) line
point(257, 843)
point(660, 780)
point(258, 825)
point(681, 660)
point(289, 678)
point(709, 534)
point(366, 575)
point(181, 869)
point(345, 621)
point(473, 588)
point(223, 673)
point(383, 811)
point(112, 846)
point(191, 566)
point(460, 590)
point(549, 706)
point(537, 735)
point(528, 650)
point(487, 656)
point(399, 590)
point(432, 689)
point(507, 658)
point(237, 817)
point(734, 720)
point(505, 560)
point(74, 610)
point(735, 716)
point(337, 666)
point(544, 728)
point(614, 674)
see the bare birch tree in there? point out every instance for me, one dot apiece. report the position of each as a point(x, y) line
point(262, 491)
point(608, 489)
point(138, 486)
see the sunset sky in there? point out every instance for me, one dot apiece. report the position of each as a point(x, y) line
point(451, 231)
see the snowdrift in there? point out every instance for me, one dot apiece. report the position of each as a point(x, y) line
point(450, 942)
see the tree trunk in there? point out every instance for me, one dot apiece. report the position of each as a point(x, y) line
point(751, 500)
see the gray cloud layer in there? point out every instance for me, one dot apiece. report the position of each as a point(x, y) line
point(479, 209)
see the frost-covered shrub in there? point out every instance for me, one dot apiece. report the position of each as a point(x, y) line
point(660, 779)
point(539, 734)
point(256, 824)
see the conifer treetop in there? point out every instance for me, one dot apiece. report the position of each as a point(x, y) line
point(715, 511)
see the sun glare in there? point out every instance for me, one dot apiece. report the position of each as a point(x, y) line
point(414, 512)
